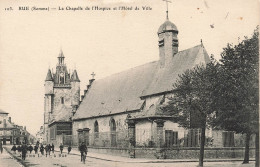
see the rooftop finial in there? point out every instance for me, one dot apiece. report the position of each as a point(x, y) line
point(201, 42)
point(167, 17)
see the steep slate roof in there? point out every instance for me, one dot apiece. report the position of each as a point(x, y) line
point(183, 60)
point(49, 76)
point(122, 91)
point(75, 77)
point(3, 112)
point(64, 115)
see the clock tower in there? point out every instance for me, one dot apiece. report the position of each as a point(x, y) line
point(62, 95)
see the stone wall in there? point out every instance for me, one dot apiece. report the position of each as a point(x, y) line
point(103, 126)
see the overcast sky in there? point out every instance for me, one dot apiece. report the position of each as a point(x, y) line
point(104, 42)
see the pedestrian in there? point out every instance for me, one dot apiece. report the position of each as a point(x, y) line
point(19, 149)
point(36, 149)
point(61, 148)
point(30, 148)
point(49, 149)
point(42, 149)
point(14, 149)
point(52, 148)
point(69, 149)
point(46, 149)
point(1, 147)
point(83, 151)
point(24, 151)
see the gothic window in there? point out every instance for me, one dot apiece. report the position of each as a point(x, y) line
point(113, 132)
point(62, 100)
point(96, 130)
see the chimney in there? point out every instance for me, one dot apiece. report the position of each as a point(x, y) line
point(10, 120)
point(24, 127)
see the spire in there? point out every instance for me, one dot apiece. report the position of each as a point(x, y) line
point(49, 76)
point(61, 57)
point(167, 17)
point(74, 77)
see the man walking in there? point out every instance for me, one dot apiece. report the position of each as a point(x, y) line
point(1, 147)
point(24, 151)
point(14, 149)
point(83, 151)
point(36, 149)
point(61, 148)
point(52, 148)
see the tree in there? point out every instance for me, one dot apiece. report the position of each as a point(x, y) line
point(238, 91)
point(194, 93)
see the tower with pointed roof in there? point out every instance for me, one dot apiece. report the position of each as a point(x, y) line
point(62, 96)
point(168, 41)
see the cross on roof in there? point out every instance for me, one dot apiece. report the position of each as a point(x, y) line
point(167, 7)
point(93, 75)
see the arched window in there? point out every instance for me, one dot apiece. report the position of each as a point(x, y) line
point(113, 132)
point(96, 130)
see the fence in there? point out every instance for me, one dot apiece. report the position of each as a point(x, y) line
point(190, 138)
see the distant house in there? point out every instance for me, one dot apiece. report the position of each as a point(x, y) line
point(11, 133)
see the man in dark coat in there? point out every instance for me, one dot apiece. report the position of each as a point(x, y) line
point(30, 148)
point(47, 149)
point(19, 149)
point(24, 151)
point(69, 149)
point(83, 149)
point(1, 147)
point(52, 148)
point(36, 149)
point(42, 150)
point(61, 148)
point(14, 149)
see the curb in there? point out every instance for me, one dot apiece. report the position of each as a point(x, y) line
point(168, 160)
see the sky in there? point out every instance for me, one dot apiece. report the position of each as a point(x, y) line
point(104, 42)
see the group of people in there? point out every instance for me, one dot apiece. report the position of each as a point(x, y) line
point(47, 149)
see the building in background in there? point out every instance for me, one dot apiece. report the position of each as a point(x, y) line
point(10, 133)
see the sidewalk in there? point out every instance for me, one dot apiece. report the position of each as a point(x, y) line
point(7, 160)
point(113, 158)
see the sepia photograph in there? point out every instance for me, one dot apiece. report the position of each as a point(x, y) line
point(135, 83)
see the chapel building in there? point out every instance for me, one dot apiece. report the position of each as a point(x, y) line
point(124, 108)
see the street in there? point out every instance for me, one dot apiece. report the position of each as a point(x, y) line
point(74, 160)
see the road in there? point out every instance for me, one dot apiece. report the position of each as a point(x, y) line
point(74, 161)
